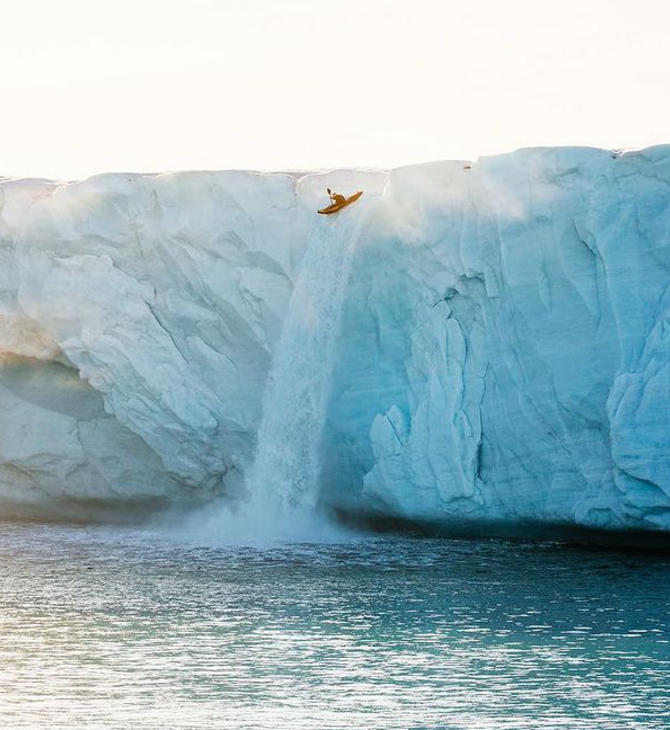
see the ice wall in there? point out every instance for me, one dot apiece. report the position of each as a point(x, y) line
point(502, 355)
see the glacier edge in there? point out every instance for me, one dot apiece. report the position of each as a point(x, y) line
point(504, 348)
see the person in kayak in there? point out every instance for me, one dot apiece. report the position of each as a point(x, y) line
point(336, 198)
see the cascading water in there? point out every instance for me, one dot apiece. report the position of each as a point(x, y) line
point(285, 474)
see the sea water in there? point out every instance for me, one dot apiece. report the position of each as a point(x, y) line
point(112, 628)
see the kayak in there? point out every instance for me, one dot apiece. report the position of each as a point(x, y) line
point(338, 206)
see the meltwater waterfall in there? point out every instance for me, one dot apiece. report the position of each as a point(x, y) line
point(285, 472)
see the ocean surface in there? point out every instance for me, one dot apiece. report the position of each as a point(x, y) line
point(115, 628)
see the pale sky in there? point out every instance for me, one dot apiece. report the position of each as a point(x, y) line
point(150, 85)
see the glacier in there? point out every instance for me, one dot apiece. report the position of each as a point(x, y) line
point(498, 351)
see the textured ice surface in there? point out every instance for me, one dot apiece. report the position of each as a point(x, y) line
point(503, 351)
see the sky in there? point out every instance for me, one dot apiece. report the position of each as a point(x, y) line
point(151, 85)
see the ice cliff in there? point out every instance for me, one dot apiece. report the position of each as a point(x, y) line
point(502, 351)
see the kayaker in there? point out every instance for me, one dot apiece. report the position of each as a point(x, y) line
point(336, 198)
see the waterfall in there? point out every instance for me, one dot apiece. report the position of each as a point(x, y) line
point(285, 473)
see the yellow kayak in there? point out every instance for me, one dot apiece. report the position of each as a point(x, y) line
point(338, 206)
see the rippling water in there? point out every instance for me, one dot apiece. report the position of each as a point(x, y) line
point(103, 628)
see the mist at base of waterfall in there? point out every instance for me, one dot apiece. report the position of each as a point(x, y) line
point(114, 628)
point(222, 523)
